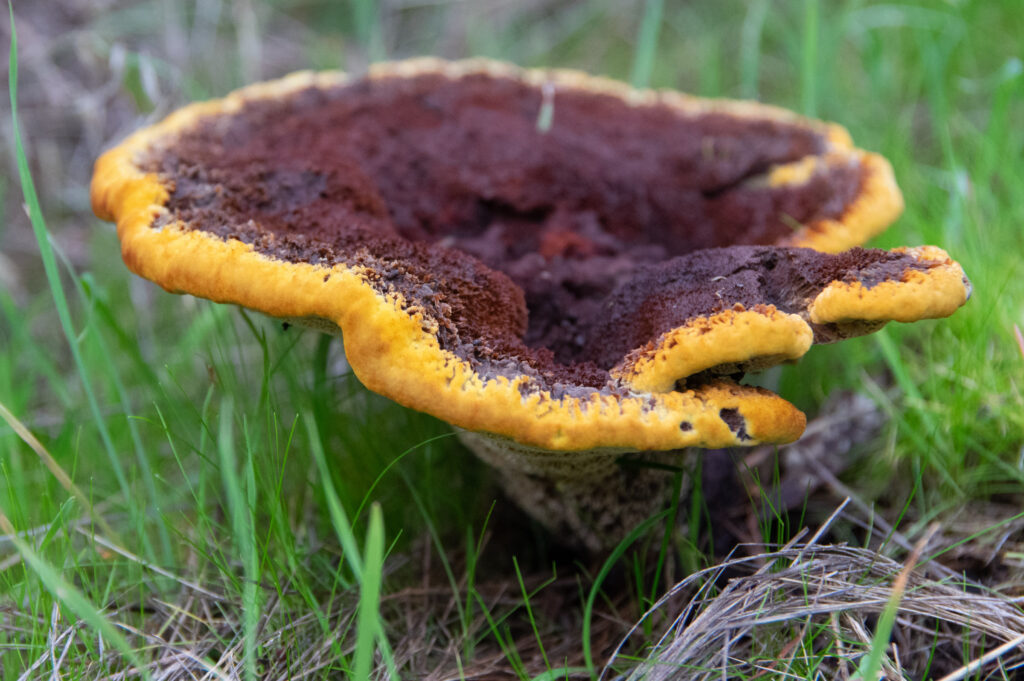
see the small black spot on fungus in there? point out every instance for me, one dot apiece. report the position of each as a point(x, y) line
point(685, 426)
point(737, 424)
point(327, 278)
point(285, 326)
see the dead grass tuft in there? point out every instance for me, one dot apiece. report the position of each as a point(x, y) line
point(807, 611)
point(193, 638)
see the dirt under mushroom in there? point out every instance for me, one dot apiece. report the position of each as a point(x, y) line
point(451, 194)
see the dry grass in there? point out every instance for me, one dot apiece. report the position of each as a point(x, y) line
point(807, 610)
point(192, 638)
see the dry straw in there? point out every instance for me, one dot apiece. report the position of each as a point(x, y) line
point(808, 609)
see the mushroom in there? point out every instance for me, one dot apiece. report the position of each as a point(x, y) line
point(571, 296)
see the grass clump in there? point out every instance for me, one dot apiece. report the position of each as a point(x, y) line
point(807, 611)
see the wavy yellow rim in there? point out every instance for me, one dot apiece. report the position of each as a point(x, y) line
point(385, 343)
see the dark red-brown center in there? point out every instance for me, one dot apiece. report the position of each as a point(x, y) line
point(452, 194)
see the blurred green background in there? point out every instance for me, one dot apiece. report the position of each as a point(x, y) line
point(934, 85)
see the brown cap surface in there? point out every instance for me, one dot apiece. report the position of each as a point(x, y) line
point(518, 280)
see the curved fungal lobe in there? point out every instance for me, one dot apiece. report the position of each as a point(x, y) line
point(596, 282)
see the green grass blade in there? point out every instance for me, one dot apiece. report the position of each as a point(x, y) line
point(666, 539)
point(141, 454)
point(68, 594)
point(646, 44)
point(42, 235)
point(620, 550)
point(809, 60)
point(244, 530)
point(435, 537)
point(559, 673)
point(366, 14)
point(16, 323)
point(529, 613)
point(391, 464)
point(339, 519)
point(546, 114)
point(369, 630)
point(750, 47)
point(65, 481)
point(871, 664)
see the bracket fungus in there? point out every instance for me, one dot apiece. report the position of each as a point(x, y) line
point(570, 295)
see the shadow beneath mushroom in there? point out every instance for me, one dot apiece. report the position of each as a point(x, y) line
point(592, 500)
